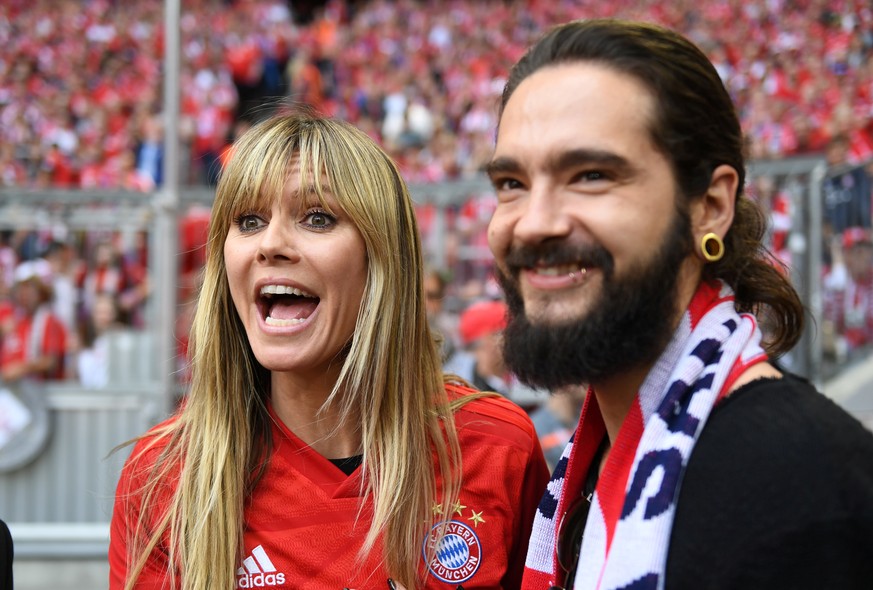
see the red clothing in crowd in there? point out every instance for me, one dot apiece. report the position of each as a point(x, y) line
point(850, 308)
point(32, 337)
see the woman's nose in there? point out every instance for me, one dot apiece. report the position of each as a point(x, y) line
point(277, 242)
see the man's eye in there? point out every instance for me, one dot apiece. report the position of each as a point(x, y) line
point(506, 184)
point(593, 175)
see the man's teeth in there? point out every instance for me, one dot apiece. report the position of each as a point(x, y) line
point(564, 269)
point(283, 290)
point(271, 321)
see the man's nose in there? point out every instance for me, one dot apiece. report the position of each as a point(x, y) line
point(542, 217)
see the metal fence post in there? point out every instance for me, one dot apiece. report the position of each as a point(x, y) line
point(167, 209)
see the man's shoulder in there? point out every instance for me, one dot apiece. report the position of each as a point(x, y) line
point(783, 432)
point(789, 406)
point(777, 464)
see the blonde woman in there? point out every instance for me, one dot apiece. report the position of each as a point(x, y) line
point(320, 445)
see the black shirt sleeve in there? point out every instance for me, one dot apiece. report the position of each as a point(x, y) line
point(778, 493)
point(6, 554)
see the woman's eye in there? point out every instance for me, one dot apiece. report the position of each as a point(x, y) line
point(248, 222)
point(319, 219)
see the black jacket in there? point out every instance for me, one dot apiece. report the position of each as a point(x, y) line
point(778, 493)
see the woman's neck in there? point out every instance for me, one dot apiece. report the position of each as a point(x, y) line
point(299, 405)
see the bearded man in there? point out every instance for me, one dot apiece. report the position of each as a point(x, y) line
point(632, 261)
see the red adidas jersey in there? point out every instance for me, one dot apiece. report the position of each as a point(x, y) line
point(304, 525)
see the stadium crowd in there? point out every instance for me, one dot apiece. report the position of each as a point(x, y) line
point(81, 96)
point(81, 93)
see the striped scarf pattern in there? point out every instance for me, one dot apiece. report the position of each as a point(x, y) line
point(627, 533)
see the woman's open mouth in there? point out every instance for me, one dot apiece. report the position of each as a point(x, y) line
point(283, 305)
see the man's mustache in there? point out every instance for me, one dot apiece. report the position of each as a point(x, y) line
point(559, 253)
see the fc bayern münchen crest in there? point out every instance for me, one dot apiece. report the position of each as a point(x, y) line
point(455, 557)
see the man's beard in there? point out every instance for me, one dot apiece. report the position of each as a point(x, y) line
point(628, 326)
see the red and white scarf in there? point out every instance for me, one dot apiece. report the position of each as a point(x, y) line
point(628, 529)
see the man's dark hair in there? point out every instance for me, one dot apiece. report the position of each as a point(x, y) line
point(695, 126)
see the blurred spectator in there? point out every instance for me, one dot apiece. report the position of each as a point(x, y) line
point(774, 199)
point(109, 271)
point(480, 361)
point(443, 323)
point(305, 84)
point(127, 176)
point(471, 228)
point(63, 263)
point(13, 171)
point(555, 420)
point(150, 150)
point(92, 359)
point(193, 234)
point(34, 339)
point(848, 294)
point(8, 261)
point(847, 191)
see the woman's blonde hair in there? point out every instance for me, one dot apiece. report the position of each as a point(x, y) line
point(390, 384)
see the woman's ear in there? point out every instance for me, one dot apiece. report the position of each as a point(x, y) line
point(714, 211)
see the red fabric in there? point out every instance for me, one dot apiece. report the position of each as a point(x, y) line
point(15, 345)
point(850, 308)
point(244, 62)
point(304, 513)
point(7, 318)
point(481, 319)
point(193, 234)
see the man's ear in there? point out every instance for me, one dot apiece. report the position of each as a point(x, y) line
point(714, 211)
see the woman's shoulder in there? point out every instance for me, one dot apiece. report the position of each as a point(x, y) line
point(491, 415)
point(147, 450)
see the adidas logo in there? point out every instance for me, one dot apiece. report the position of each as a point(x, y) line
point(258, 571)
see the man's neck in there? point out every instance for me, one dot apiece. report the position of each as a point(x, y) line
point(615, 397)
